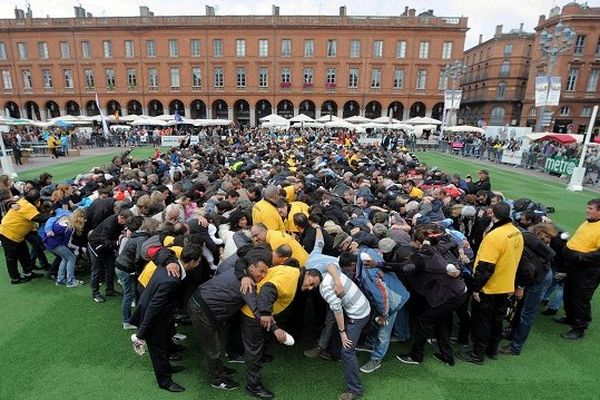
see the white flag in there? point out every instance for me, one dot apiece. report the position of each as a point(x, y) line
point(102, 117)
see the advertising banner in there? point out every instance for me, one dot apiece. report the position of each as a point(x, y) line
point(560, 165)
point(175, 140)
point(452, 99)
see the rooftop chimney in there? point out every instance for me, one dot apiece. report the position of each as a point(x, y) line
point(405, 13)
point(480, 38)
point(19, 14)
point(79, 12)
point(521, 27)
point(342, 11)
point(210, 11)
point(412, 12)
point(498, 30)
point(145, 12)
point(274, 10)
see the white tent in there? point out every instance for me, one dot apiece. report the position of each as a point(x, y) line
point(165, 117)
point(465, 128)
point(275, 124)
point(385, 120)
point(123, 127)
point(423, 121)
point(418, 130)
point(357, 119)
point(301, 118)
point(328, 118)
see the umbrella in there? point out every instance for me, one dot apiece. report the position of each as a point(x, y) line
point(374, 125)
point(16, 121)
point(340, 123)
point(423, 121)
point(385, 120)
point(357, 119)
point(301, 118)
point(404, 127)
point(465, 128)
point(165, 117)
point(272, 117)
point(329, 118)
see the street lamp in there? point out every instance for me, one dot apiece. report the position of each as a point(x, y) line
point(552, 44)
point(453, 71)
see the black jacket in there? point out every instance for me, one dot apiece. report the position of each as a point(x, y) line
point(535, 260)
point(98, 211)
point(104, 237)
point(430, 279)
point(128, 260)
point(222, 296)
point(156, 305)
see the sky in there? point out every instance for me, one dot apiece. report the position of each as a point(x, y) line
point(483, 15)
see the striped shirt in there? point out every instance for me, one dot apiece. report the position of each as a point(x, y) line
point(354, 302)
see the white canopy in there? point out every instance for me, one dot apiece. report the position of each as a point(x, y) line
point(150, 121)
point(374, 125)
point(329, 118)
point(272, 117)
point(276, 124)
point(123, 127)
point(165, 117)
point(386, 120)
point(423, 121)
point(133, 117)
point(357, 119)
point(301, 118)
point(340, 123)
point(465, 128)
point(404, 127)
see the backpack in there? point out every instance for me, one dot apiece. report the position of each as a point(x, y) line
point(149, 248)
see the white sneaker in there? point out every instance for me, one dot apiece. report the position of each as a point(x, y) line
point(128, 327)
point(179, 337)
point(75, 283)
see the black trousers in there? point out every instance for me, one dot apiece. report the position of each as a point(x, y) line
point(254, 345)
point(37, 249)
point(579, 288)
point(211, 334)
point(158, 348)
point(436, 321)
point(103, 263)
point(16, 253)
point(486, 323)
point(235, 346)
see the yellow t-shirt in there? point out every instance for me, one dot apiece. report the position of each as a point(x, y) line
point(502, 247)
point(296, 207)
point(277, 238)
point(285, 280)
point(16, 224)
point(586, 238)
point(265, 213)
point(290, 193)
point(150, 268)
point(416, 193)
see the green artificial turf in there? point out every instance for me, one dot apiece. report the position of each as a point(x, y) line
point(55, 343)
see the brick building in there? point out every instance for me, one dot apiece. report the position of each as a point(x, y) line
point(236, 67)
point(495, 78)
point(578, 67)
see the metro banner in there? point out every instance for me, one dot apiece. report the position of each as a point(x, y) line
point(560, 165)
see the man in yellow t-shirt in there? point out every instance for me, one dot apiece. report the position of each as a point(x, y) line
point(265, 211)
point(274, 294)
point(260, 234)
point(16, 224)
point(411, 189)
point(582, 258)
point(494, 273)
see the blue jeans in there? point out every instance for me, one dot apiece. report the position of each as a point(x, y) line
point(66, 265)
point(401, 326)
point(531, 305)
point(349, 361)
point(128, 292)
point(556, 287)
point(382, 338)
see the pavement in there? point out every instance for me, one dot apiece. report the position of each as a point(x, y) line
point(48, 161)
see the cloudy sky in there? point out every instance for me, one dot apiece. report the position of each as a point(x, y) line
point(483, 15)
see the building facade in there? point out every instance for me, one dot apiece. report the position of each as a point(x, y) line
point(234, 67)
point(578, 67)
point(495, 78)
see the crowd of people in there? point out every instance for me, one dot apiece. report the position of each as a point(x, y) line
point(249, 237)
